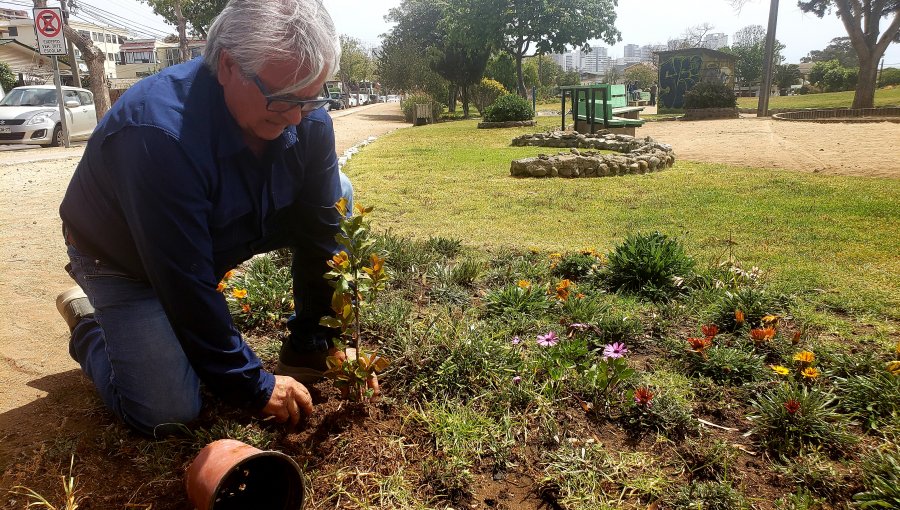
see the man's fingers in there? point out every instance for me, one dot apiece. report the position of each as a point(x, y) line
point(304, 401)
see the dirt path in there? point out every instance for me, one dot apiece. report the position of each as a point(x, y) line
point(36, 373)
point(868, 150)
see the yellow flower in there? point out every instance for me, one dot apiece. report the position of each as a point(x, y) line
point(339, 260)
point(377, 262)
point(220, 287)
point(239, 293)
point(894, 367)
point(341, 206)
point(780, 370)
point(810, 372)
point(769, 319)
point(562, 290)
point(804, 357)
point(897, 348)
point(524, 284)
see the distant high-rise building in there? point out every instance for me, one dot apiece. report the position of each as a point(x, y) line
point(715, 41)
point(632, 50)
point(594, 61)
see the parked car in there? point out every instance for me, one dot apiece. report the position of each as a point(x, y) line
point(30, 115)
point(335, 102)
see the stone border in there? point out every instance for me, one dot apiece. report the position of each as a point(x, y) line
point(640, 155)
point(507, 124)
point(883, 114)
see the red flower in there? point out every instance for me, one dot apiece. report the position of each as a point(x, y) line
point(643, 396)
point(700, 344)
point(792, 406)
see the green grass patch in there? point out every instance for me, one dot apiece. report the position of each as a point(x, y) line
point(883, 97)
point(832, 238)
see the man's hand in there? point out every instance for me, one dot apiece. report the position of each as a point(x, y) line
point(289, 401)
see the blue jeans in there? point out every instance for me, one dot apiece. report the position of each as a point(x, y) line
point(129, 349)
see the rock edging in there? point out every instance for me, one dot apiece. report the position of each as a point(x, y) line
point(640, 155)
point(507, 124)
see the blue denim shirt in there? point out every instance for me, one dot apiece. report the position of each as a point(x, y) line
point(168, 192)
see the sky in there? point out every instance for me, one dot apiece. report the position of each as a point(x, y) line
point(640, 21)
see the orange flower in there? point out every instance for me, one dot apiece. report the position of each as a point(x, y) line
point(709, 330)
point(804, 357)
point(245, 307)
point(239, 293)
point(761, 335)
point(377, 262)
point(228, 275)
point(562, 290)
point(524, 284)
point(796, 338)
point(579, 296)
point(341, 206)
point(739, 318)
point(700, 344)
point(338, 260)
point(220, 287)
point(810, 372)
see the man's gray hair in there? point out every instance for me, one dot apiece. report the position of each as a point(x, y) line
point(255, 32)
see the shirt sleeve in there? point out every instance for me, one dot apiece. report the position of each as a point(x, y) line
point(165, 200)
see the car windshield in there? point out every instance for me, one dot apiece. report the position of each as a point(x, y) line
point(29, 97)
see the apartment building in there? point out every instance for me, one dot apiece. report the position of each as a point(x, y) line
point(142, 57)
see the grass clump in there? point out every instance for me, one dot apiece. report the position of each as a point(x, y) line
point(881, 479)
point(652, 266)
point(710, 496)
point(791, 418)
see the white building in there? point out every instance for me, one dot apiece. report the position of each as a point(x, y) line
point(715, 41)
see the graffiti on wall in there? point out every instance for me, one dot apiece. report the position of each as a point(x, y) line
point(679, 73)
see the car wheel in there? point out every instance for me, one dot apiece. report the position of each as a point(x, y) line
point(57, 140)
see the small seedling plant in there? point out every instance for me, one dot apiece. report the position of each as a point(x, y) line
point(357, 275)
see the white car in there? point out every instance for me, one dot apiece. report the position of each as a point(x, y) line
point(30, 115)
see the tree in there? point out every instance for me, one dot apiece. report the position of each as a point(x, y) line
point(355, 63)
point(7, 77)
point(644, 74)
point(550, 26)
point(94, 58)
point(176, 6)
point(502, 68)
point(691, 38)
point(750, 50)
point(831, 76)
point(785, 76)
point(199, 14)
point(862, 19)
point(839, 49)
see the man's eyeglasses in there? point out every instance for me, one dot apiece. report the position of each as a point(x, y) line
point(282, 104)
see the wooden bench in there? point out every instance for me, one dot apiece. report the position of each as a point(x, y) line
point(601, 107)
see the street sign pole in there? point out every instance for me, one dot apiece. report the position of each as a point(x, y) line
point(60, 102)
point(48, 28)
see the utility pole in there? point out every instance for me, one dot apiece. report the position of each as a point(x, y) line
point(880, 73)
point(765, 89)
point(76, 76)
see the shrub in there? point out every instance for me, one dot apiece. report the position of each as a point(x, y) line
point(707, 459)
point(873, 398)
point(889, 76)
point(508, 108)
point(7, 77)
point(575, 266)
point(662, 413)
point(650, 265)
point(707, 94)
point(516, 300)
point(727, 365)
point(881, 479)
point(486, 93)
point(409, 106)
point(791, 417)
point(832, 76)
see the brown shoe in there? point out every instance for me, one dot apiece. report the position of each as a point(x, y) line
point(73, 305)
point(305, 367)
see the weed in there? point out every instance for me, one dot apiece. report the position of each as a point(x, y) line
point(710, 496)
point(744, 306)
point(251, 433)
point(881, 479)
point(813, 472)
point(726, 365)
point(449, 477)
point(800, 500)
point(653, 410)
point(650, 265)
point(522, 299)
point(789, 418)
point(444, 246)
point(70, 493)
point(706, 458)
point(578, 266)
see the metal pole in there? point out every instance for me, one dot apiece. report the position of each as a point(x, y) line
point(76, 76)
point(60, 102)
point(762, 109)
point(880, 73)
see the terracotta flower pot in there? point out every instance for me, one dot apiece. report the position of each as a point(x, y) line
point(231, 475)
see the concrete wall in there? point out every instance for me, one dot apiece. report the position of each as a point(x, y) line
point(680, 70)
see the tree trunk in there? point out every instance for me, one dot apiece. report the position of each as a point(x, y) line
point(451, 99)
point(864, 96)
point(94, 58)
point(182, 33)
point(465, 101)
point(520, 78)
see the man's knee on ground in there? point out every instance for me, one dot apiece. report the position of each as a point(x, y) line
point(162, 418)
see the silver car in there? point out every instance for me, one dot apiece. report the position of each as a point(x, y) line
point(30, 115)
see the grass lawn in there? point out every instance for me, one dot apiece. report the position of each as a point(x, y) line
point(883, 97)
point(833, 239)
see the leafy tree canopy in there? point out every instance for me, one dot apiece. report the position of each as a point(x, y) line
point(199, 14)
point(840, 49)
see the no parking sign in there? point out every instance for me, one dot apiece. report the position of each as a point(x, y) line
point(48, 26)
